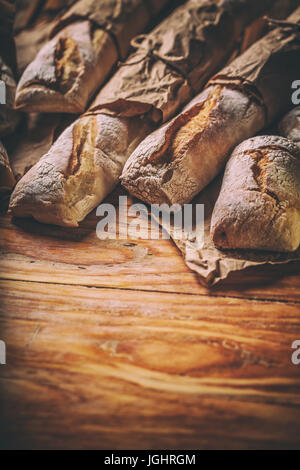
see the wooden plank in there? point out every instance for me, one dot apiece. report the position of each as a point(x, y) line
point(108, 368)
point(44, 253)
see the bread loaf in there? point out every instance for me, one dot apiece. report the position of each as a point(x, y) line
point(289, 126)
point(178, 160)
point(259, 204)
point(177, 56)
point(7, 180)
point(88, 40)
point(80, 169)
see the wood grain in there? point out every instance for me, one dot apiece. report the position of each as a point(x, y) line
point(106, 368)
point(44, 253)
point(116, 345)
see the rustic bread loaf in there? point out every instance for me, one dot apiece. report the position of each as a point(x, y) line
point(173, 163)
point(178, 160)
point(89, 39)
point(169, 63)
point(80, 169)
point(289, 126)
point(67, 70)
point(259, 204)
point(7, 180)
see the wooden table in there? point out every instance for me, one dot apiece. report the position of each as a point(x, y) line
point(116, 345)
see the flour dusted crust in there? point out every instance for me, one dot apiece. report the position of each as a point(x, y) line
point(67, 70)
point(7, 180)
point(182, 157)
point(80, 169)
point(259, 204)
point(289, 126)
point(178, 160)
point(88, 40)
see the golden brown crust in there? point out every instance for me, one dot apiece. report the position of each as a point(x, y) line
point(259, 203)
point(67, 71)
point(81, 168)
point(89, 39)
point(159, 172)
point(173, 165)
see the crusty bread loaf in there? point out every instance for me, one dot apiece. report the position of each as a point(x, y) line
point(67, 70)
point(170, 63)
point(178, 160)
point(7, 180)
point(89, 39)
point(182, 157)
point(259, 204)
point(80, 169)
point(289, 126)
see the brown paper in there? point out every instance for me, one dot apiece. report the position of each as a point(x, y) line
point(176, 59)
point(118, 17)
point(266, 70)
point(35, 137)
point(211, 264)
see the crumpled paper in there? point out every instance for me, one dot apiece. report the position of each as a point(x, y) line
point(118, 17)
point(174, 61)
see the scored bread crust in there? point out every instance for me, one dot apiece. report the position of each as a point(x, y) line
point(7, 180)
point(88, 40)
point(289, 126)
point(80, 169)
point(178, 160)
point(259, 203)
point(184, 155)
point(67, 70)
point(48, 192)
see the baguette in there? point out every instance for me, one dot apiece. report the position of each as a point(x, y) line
point(7, 180)
point(259, 204)
point(80, 169)
point(179, 159)
point(289, 126)
point(86, 43)
point(147, 89)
